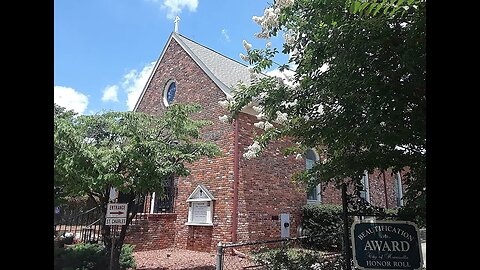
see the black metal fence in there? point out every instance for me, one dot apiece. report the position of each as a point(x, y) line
point(81, 226)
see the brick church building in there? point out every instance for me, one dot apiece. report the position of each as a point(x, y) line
point(228, 198)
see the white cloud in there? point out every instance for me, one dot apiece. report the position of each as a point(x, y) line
point(225, 35)
point(110, 93)
point(286, 75)
point(70, 98)
point(175, 6)
point(134, 82)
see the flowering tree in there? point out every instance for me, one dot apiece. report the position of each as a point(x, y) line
point(132, 152)
point(357, 93)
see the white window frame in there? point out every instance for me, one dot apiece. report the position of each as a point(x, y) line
point(366, 186)
point(318, 188)
point(398, 190)
point(196, 200)
point(165, 90)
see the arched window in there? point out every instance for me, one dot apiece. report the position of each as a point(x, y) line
point(365, 192)
point(398, 189)
point(169, 93)
point(314, 194)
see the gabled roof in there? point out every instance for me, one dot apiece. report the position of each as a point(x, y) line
point(200, 194)
point(224, 71)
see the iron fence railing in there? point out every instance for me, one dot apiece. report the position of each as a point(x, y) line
point(83, 225)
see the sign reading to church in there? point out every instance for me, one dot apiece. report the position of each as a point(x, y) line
point(386, 245)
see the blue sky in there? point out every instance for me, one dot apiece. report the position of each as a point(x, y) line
point(104, 50)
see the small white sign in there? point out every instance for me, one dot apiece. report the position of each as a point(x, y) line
point(116, 221)
point(116, 210)
point(200, 210)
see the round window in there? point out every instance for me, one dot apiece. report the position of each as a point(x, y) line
point(169, 93)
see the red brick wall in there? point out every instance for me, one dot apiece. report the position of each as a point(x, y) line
point(331, 195)
point(265, 187)
point(155, 232)
point(199, 238)
point(377, 189)
point(216, 174)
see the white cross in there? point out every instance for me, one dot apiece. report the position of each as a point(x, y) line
point(177, 19)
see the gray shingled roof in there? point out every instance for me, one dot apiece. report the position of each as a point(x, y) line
point(226, 70)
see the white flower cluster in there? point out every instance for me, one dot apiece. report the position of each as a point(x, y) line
point(284, 3)
point(289, 37)
point(223, 118)
point(289, 104)
point(244, 57)
point(258, 109)
point(247, 45)
point(269, 20)
point(224, 103)
point(252, 150)
point(263, 125)
point(281, 117)
point(298, 156)
point(260, 124)
point(267, 126)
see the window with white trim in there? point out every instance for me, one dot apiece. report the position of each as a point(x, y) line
point(398, 190)
point(169, 92)
point(200, 207)
point(365, 191)
point(314, 194)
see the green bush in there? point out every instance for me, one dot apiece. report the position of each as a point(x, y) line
point(295, 258)
point(126, 257)
point(324, 224)
point(90, 257)
point(287, 258)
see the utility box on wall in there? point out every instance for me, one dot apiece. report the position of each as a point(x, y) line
point(285, 225)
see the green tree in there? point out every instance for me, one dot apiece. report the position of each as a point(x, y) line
point(132, 152)
point(357, 92)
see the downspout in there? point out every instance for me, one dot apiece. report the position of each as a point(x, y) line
point(235, 183)
point(385, 188)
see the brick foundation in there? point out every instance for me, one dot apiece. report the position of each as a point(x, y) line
point(157, 231)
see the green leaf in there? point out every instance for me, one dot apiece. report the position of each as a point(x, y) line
point(370, 8)
point(362, 7)
point(380, 5)
point(356, 6)
point(386, 10)
point(394, 11)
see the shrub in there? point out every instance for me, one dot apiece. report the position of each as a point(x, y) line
point(84, 257)
point(126, 257)
point(286, 258)
point(90, 257)
point(324, 223)
point(296, 258)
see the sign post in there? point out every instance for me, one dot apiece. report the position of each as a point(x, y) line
point(116, 215)
point(386, 245)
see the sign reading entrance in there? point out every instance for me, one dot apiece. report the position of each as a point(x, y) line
point(116, 214)
point(386, 245)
